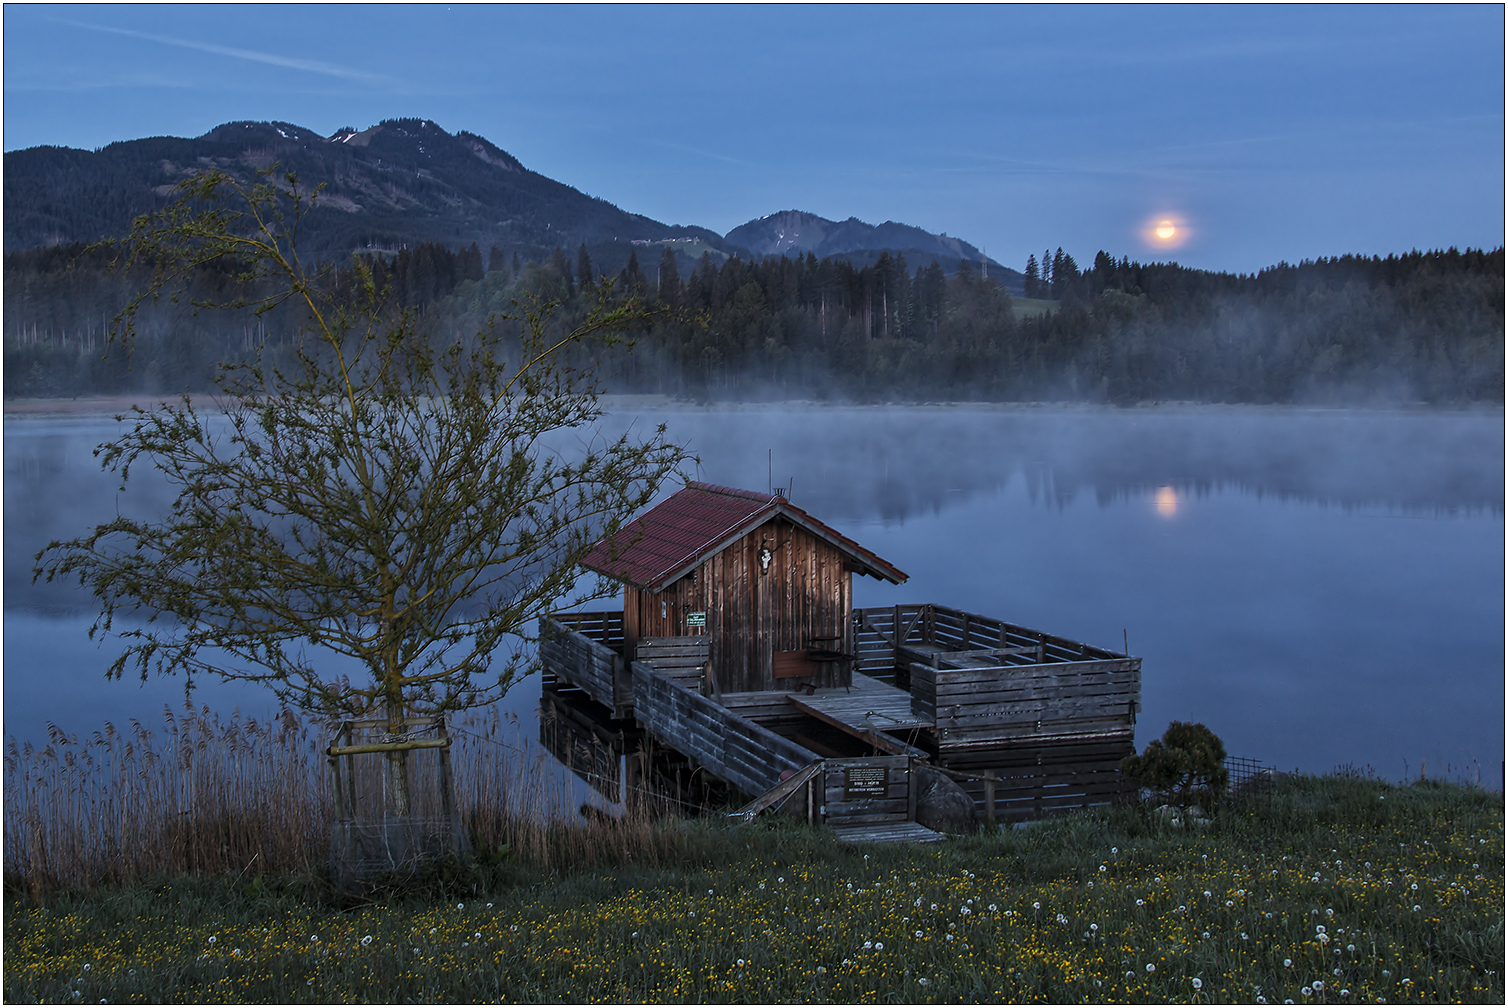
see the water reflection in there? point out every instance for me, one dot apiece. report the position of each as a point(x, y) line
point(1330, 592)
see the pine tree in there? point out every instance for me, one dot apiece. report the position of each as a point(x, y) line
point(470, 265)
point(669, 285)
point(632, 278)
point(562, 268)
point(1032, 276)
point(584, 268)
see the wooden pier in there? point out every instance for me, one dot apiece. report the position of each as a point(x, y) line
point(739, 650)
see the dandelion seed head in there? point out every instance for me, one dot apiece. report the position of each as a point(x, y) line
point(1198, 983)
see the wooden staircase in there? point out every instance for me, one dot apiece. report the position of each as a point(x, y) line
point(865, 799)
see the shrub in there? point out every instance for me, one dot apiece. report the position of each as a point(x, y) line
point(1184, 767)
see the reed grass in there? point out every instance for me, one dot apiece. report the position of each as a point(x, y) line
point(208, 795)
point(201, 795)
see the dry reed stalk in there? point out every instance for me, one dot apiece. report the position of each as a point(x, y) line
point(210, 794)
point(213, 795)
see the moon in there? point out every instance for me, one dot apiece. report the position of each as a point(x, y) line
point(1166, 232)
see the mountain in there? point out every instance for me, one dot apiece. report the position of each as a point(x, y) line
point(406, 181)
point(794, 232)
point(403, 181)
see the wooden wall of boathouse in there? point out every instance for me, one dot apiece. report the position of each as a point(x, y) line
point(806, 595)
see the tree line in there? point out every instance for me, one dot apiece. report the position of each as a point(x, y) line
point(1423, 326)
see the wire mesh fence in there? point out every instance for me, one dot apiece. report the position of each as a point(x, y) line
point(1249, 776)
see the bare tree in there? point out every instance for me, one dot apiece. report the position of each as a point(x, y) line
point(369, 490)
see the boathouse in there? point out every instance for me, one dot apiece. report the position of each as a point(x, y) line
point(767, 585)
point(739, 654)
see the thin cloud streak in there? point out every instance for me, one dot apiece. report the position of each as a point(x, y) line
point(272, 59)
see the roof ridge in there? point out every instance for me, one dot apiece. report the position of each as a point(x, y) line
point(732, 491)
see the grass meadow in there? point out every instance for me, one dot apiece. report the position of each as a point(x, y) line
point(1327, 890)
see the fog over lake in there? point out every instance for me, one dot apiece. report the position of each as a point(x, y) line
point(1320, 587)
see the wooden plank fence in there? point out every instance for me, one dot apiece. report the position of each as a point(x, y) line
point(604, 627)
point(683, 660)
point(587, 664)
point(975, 707)
point(736, 750)
point(886, 631)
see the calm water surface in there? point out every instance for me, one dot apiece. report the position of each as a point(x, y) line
point(1319, 587)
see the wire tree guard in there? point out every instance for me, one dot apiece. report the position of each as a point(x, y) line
point(373, 837)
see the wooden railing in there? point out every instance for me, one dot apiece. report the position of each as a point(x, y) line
point(984, 707)
point(683, 659)
point(603, 627)
point(940, 628)
point(732, 748)
point(585, 663)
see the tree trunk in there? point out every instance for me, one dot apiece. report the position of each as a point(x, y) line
point(397, 762)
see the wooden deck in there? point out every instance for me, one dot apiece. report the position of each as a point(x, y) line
point(1027, 722)
point(870, 710)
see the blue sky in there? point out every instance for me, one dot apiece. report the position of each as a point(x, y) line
point(1262, 133)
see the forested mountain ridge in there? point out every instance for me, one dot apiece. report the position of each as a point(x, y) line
point(797, 233)
point(401, 182)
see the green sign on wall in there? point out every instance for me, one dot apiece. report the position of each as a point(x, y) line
point(697, 619)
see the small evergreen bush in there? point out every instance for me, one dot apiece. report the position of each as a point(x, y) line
point(1183, 768)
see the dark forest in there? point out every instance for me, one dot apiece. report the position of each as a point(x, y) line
point(1424, 327)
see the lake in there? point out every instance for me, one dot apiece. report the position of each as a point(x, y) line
point(1321, 587)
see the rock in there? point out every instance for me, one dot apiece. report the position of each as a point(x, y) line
point(941, 804)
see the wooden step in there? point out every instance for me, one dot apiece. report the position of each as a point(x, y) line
point(901, 832)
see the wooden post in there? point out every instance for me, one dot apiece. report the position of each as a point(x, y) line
point(350, 775)
point(989, 801)
point(340, 804)
point(447, 800)
point(910, 790)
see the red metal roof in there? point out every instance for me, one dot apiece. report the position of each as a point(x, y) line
point(667, 541)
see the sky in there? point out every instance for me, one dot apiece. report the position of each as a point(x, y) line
point(1245, 135)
